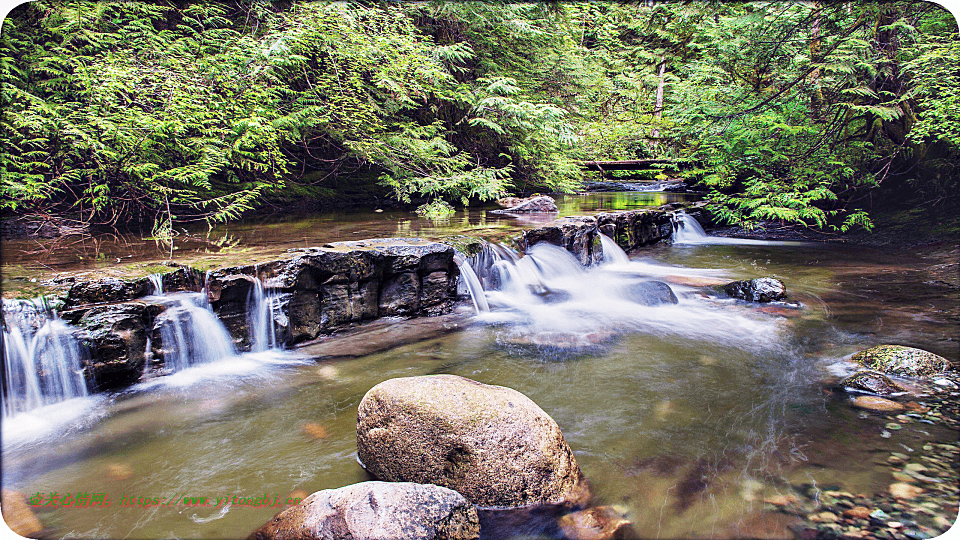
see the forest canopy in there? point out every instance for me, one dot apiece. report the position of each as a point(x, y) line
point(158, 113)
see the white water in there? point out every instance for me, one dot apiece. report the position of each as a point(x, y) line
point(261, 309)
point(42, 359)
point(472, 284)
point(687, 230)
point(612, 252)
point(191, 334)
point(156, 283)
point(546, 298)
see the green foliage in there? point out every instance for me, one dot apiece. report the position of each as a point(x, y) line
point(135, 111)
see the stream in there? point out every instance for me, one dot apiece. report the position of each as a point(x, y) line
point(684, 416)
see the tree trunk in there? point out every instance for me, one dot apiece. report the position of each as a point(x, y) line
point(658, 106)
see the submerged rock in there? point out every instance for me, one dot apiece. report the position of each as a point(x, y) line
point(763, 289)
point(652, 293)
point(377, 511)
point(599, 523)
point(529, 205)
point(491, 444)
point(869, 381)
point(872, 403)
point(18, 515)
point(900, 360)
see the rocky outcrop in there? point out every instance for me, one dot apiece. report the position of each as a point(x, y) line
point(115, 337)
point(651, 293)
point(904, 361)
point(631, 229)
point(491, 444)
point(577, 234)
point(376, 511)
point(323, 289)
point(529, 205)
point(763, 289)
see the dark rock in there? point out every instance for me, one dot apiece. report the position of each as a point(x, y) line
point(116, 338)
point(376, 511)
point(875, 383)
point(106, 291)
point(349, 302)
point(598, 523)
point(763, 289)
point(631, 229)
point(437, 292)
point(651, 293)
point(900, 360)
point(400, 295)
point(491, 444)
point(577, 234)
point(542, 203)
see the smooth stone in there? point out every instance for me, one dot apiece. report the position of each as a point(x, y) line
point(376, 511)
point(902, 490)
point(492, 444)
point(18, 515)
point(873, 403)
point(900, 360)
point(857, 512)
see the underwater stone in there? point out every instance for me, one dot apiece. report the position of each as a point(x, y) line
point(491, 444)
point(377, 511)
point(763, 289)
point(868, 381)
point(900, 360)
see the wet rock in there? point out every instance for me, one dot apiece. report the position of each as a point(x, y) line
point(115, 337)
point(651, 293)
point(18, 515)
point(529, 205)
point(400, 295)
point(868, 381)
point(105, 291)
point(763, 289)
point(599, 523)
point(900, 360)
point(577, 234)
point(377, 511)
point(631, 229)
point(872, 403)
point(857, 512)
point(491, 444)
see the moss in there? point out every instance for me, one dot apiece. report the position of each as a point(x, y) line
point(900, 360)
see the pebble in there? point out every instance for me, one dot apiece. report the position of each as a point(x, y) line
point(915, 467)
point(894, 524)
point(902, 490)
point(824, 517)
point(893, 426)
point(874, 403)
point(857, 512)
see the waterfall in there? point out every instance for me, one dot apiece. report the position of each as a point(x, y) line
point(261, 309)
point(472, 282)
point(687, 230)
point(41, 357)
point(191, 333)
point(156, 284)
point(612, 252)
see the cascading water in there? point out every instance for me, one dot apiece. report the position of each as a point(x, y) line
point(612, 252)
point(472, 284)
point(156, 284)
point(42, 358)
point(547, 298)
point(191, 334)
point(261, 309)
point(687, 230)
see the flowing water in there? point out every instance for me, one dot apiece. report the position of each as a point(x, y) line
point(683, 408)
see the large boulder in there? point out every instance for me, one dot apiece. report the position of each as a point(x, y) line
point(631, 229)
point(491, 444)
point(376, 511)
point(763, 289)
point(900, 360)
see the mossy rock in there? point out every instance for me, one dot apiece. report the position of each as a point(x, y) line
point(900, 360)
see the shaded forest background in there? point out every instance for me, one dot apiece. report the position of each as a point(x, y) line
point(156, 114)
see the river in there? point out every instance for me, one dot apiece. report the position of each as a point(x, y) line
point(684, 417)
